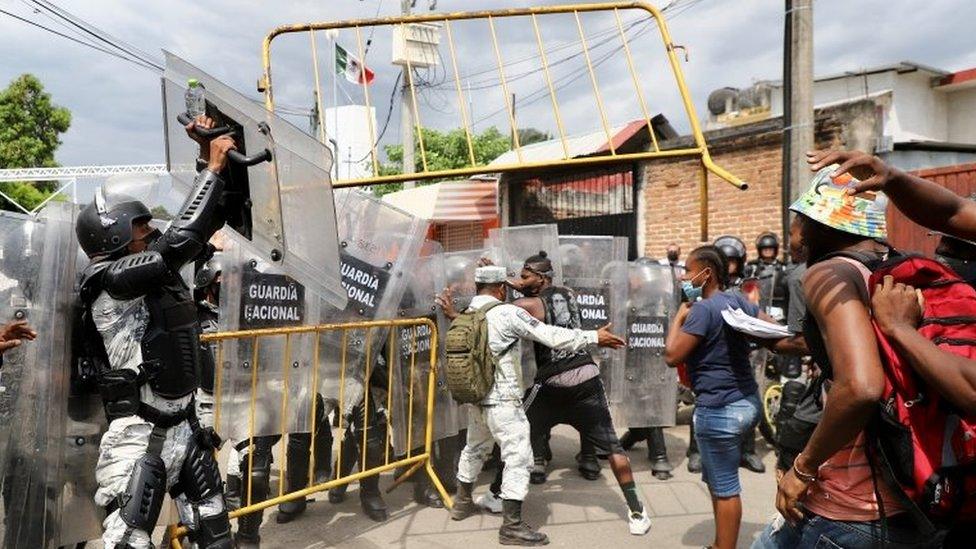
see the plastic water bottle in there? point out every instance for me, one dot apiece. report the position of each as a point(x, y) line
point(196, 104)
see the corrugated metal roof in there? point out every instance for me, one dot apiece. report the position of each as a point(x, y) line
point(577, 145)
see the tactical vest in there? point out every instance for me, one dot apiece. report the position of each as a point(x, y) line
point(171, 342)
point(561, 310)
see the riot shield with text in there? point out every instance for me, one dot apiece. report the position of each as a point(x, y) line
point(282, 205)
point(38, 261)
point(595, 267)
point(263, 383)
point(510, 247)
point(412, 359)
point(647, 394)
point(377, 243)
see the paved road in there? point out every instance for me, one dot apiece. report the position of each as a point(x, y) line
point(573, 511)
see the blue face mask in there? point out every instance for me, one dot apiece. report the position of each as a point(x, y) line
point(692, 292)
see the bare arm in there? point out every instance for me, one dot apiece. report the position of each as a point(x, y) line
point(922, 201)
point(897, 312)
point(837, 300)
point(679, 344)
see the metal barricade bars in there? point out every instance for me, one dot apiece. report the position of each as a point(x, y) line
point(373, 331)
point(521, 161)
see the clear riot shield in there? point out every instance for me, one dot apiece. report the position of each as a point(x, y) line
point(264, 383)
point(377, 243)
point(412, 358)
point(510, 247)
point(459, 270)
point(595, 267)
point(285, 208)
point(647, 394)
point(38, 261)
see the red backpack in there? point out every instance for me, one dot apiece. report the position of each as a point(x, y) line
point(927, 445)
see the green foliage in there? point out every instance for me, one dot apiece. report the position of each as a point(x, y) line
point(449, 150)
point(161, 213)
point(30, 130)
point(528, 136)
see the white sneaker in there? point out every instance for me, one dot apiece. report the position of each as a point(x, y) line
point(640, 523)
point(490, 502)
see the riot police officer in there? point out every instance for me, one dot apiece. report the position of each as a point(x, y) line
point(770, 271)
point(141, 311)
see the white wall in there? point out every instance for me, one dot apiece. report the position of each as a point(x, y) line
point(962, 115)
point(349, 127)
point(921, 110)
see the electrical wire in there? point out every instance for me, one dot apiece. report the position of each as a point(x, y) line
point(98, 34)
point(78, 41)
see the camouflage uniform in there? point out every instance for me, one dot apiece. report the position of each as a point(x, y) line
point(500, 418)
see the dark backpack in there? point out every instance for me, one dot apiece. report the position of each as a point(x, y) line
point(470, 365)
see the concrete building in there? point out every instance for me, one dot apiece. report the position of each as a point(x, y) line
point(916, 117)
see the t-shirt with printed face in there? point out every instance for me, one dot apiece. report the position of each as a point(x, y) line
point(719, 367)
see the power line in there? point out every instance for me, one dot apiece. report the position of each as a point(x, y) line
point(76, 40)
point(98, 34)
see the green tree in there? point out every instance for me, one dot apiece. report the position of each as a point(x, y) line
point(449, 150)
point(528, 136)
point(30, 130)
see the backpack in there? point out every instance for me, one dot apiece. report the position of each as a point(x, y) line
point(470, 365)
point(927, 447)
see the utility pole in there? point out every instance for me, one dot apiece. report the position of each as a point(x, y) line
point(406, 114)
point(798, 122)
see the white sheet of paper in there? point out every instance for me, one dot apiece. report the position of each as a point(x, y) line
point(739, 321)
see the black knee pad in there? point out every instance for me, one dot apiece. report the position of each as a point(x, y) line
point(213, 533)
point(139, 507)
point(200, 478)
point(792, 393)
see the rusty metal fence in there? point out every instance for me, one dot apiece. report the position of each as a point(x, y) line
point(418, 43)
point(409, 373)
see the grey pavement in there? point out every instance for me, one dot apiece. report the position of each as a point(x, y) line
point(574, 512)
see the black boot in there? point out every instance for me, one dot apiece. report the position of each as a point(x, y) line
point(538, 473)
point(445, 463)
point(750, 459)
point(546, 448)
point(694, 458)
point(629, 439)
point(657, 453)
point(232, 493)
point(464, 505)
point(299, 446)
point(350, 452)
point(370, 497)
point(256, 482)
point(516, 532)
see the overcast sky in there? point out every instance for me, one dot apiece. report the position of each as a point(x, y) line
point(116, 106)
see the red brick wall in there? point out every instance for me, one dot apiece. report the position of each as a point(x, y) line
point(671, 205)
point(670, 189)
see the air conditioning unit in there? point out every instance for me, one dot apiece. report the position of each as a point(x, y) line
point(416, 42)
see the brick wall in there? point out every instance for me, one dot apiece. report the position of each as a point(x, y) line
point(754, 153)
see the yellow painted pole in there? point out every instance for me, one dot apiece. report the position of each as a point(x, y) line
point(457, 83)
point(636, 79)
point(552, 89)
point(596, 87)
point(508, 104)
point(369, 117)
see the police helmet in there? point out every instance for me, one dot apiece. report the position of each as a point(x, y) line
point(104, 226)
point(731, 247)
point(767, 240)
point(208, 272)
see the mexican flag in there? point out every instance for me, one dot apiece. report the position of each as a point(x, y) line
point(354, 69)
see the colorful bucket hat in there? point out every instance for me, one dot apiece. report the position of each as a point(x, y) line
point(827, 202)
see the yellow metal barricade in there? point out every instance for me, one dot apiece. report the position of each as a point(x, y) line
point(409, 464)
point(443, 27)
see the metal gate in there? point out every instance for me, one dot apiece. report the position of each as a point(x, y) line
point(418, 46)
point(599, 202)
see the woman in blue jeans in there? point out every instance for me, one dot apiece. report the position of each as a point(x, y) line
point(726, 394)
